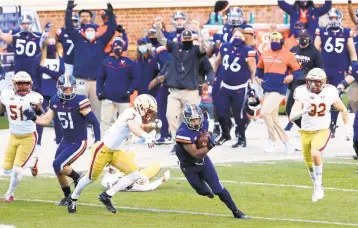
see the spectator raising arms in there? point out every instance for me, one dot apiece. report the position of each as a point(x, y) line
point(305, 12)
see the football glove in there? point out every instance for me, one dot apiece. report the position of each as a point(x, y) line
point(157, 124)
point(101, 96)
point(71, 4)
point(30, 115)
point(149, 140)
point(109, 9)
point(120, 28)
point(212, 141)
point(48, 26)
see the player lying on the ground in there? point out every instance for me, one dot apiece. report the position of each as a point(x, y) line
point(313, 102)
point(23, 135)
point(193, 142)
point(74, 112)
point(350, 79)
point(142, 185)
point(138, 120)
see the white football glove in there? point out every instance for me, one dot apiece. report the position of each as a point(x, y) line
point(157, 123)
point(349, 134)
point(149, 139)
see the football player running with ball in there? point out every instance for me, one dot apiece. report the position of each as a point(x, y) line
point(191, 149)
point(19, 153)
point(313, 102)
point(137, 120)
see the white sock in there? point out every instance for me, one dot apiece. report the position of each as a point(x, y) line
point(318, 171)
point(15, 179)
point(82, 184)
point(124, 182)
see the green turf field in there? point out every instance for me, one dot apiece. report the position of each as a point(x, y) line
point(4, 124)
point(272, 193)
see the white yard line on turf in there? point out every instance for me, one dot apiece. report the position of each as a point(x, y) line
point(200, 213)
point(275, 185)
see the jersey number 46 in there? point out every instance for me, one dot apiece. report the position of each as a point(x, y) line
point(234, 66)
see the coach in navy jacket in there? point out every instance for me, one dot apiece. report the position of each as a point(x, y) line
point(306, 12)
point(89, 54)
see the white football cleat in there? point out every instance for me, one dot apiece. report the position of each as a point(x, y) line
point(314, 197)
point(289, 148)
point(270, 147)
point(320, 192)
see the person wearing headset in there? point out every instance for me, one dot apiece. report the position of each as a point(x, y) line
point(272, 74)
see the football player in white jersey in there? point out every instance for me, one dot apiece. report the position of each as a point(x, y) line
point(313, 102)
point(138, 120)
point(23, 135)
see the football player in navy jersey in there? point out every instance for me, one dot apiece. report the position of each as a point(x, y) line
point(179, 21)
point(74, 112)
point(335, 43)
point(238, 66)
point(27, 43)
point(68, 44)
point(195, 164)
point(235, 20)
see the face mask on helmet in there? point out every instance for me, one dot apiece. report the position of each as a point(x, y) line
point(66, 87)
point(25, 22)
point(147, 107)
point(179, 20)
point(22, 88)
point(334, 18)
point(315, 86)
point(193, 117)
point(235, 19)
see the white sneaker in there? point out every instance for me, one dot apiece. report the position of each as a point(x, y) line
point(289, 148)
point(318, 193)
point(270, 147)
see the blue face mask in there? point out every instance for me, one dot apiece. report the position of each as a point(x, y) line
point(143, 49)
point(237, 42)
point(296, 32)
point(117, 51)
point(275, 46)
point(51, 48)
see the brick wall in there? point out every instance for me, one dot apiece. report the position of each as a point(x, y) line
point(136, 21)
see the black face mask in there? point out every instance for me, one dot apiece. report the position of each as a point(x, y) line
point(153, 41)
point(303, 41)
point(187, 45)
point(303, 5)
point(180, 30)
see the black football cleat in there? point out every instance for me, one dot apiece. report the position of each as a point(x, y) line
point(217, 130)
point(64, 202)
point(222, 140)
point(210, 195)
point(355, 157)
point(240, 215)
point(333, 128)
point(75, 182)
point(72, 205)
point(241, 142)
point(103, 197)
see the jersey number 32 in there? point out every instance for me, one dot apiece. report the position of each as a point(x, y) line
point(318, 110)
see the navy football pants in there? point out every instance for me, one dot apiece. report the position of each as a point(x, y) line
point(162, 99)
point(67, 153)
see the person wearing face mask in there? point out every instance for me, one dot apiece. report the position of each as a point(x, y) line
point(181, 77)
point(120, 32)
point(306, 12)
point(308, 57)
point(26, 42)
point(67, 43)
point(335, 43)
point(237, 72)
point(47, 68)
point(272, 74)
point(162, 57)
point(147, 67)
point(117, 79)
point(89, 54)
point(293, 39)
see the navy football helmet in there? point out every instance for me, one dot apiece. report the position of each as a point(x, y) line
point(235, 17)
point(66, 87)
point(190, 113)
point(253, 103)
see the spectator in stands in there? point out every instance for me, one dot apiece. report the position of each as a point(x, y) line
point(182, 74)
point(308, 57)
point(305, 12)
point(47, 67)
point(89, 54)
point(147, 67)
point(272, 69)
point(120, 32)
point(117, 79)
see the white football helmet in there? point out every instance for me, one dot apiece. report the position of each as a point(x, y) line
point(316, 80)
point(22, 83)
point(335, 18)
point(147, 107)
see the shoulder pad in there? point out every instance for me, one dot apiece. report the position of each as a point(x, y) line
point(7, 93)
point(35, 98)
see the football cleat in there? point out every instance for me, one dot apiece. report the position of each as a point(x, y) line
point(320, 192)
point(217, 130)
point(210, 195)
point(222, 140)
point(8, 198)
point(289, 126)
point(240, 215)
point(333, 127)
point(173, 152)
point(241, 142)
point(72, 205)
point(289, 148)
point(103, 197)
point(64, 202)
point(34, 169)
point(75, 182)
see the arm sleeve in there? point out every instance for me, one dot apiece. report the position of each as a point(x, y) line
point(70, 29)
point(101, 76)
point(125, 38)
point(322, 10)
point(136, 79)
point(111, 28)
point(91, 118)
point(288, 8)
